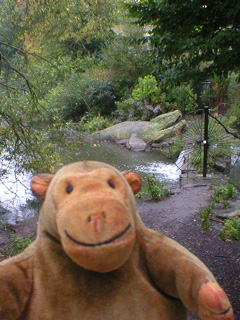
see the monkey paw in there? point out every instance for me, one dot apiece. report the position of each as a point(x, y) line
point(213, 303)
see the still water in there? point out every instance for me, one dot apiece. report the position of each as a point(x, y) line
point(16, 198)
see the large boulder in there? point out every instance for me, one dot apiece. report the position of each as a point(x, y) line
point(135, 143)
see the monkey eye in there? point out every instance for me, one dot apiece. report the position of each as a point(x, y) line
point(69, 188)
point(111, 184)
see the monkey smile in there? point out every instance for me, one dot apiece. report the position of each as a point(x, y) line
point(119, 235)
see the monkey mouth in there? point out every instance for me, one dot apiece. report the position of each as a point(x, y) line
point(119, 235)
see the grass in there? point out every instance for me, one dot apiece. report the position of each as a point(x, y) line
point(205, 217)
point(222, 194)
point(18, 244)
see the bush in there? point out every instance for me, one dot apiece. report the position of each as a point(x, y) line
point(183, 98)
point(96, 123)
point(223, 193)
point(124, 58)
point(146, 101)
point(205, 217)
point(129, 109)
point(231, 229)
point(156, 190)
point(147, 90)
point(79, 95)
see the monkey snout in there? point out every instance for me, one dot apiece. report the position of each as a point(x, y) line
point(97, 221)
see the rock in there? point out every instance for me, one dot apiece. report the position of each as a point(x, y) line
point(137, 144)
point(122, 142)
point(226, 215)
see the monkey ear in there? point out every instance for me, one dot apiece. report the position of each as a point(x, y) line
point(134, 181)
point(40, 183)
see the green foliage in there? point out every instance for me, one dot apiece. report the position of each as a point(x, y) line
point(234, 98)
point(223, 193)
point(147, 90)
point(123, 58)
point(183, 98)
point(208, 97)
point(96, 123)
point(220, 148)
point(234, 111)
point(175, 148)
point(18, 244)
point(22, 140)
point(73, 98)
point(205, 217)
point(129, 109)
point(156, 190)
point(192, 37)
point(146, 101)
point(231, 229)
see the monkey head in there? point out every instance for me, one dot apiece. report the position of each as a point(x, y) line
point(90, 208)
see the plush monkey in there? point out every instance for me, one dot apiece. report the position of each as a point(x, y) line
point(93, 258)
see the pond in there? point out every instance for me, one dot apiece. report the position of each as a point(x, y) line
point(16, 198)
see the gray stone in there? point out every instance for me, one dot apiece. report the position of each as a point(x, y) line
point(137, 144)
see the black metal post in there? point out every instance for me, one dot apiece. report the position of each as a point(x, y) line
point(205, 141)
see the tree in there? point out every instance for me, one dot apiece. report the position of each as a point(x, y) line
point(20, 140)
point(192, 38)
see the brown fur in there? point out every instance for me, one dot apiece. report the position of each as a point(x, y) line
point(94, 259)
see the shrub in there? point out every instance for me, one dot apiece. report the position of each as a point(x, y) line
point(205, 217)
point(129, 109)
point(79, 95)
point(223, 193)
point(155, 189)
point(146, 101)
point(183, 98)
point(231, 229)
point(147, 90)
point(96, 123)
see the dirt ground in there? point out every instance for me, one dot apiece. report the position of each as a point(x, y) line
point(178, 218)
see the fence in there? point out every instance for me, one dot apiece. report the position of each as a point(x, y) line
point(209, 144)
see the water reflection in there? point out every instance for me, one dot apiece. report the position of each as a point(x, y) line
point(118, 156)
point(15, 195)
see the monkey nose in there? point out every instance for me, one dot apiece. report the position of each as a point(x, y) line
point(97, 221)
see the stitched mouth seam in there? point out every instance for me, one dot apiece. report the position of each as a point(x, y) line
point(99, 243)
